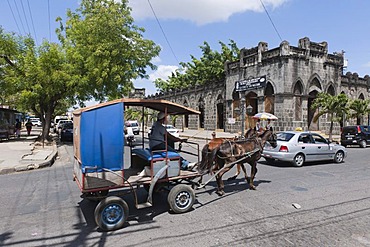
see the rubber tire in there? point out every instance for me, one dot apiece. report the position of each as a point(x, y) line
point(339, 157)
point(181, 198)
point(363, 143)
point(298, 160)
point(111, 213)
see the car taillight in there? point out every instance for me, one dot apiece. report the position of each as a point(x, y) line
point(358, 129)
point(283, 148)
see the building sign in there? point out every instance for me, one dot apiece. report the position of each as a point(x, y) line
point(250, 84)
point(231, 120)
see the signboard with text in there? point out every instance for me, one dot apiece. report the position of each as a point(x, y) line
point(250, 84)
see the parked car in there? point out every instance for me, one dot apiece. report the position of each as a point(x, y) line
point(170, 128)
point(355, 135)
point(300, 147)
point(134, 125)
point(36, 122)
point(66, 132)
point(56, 121)
point(58, 127)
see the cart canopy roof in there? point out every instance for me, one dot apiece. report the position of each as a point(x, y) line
point(155, 104)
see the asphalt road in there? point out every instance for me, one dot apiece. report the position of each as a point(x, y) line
point(43, 208)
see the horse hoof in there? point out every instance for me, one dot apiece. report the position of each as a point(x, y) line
point(252, 187)
point(220, 192)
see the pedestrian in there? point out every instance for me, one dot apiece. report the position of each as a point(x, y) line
point(269, 125)
point(29, 127)
point(157, 140)
point(258, 125)
point(18, 126)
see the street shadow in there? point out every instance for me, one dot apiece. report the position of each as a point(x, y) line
point(281, 164)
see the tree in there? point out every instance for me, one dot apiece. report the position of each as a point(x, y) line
point(105, 48)
point(332, 105)
point(359, 108)
point(101, 51)
point(208, 69)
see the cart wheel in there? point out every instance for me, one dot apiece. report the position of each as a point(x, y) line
point(181, 198)
point(111, 213)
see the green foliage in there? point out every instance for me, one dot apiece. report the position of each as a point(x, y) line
point(335, 106)
point(208, 69)
point(105, 48)
point(359, 108)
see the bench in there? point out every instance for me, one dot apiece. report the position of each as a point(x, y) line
point(144, 157)
point(146, 154)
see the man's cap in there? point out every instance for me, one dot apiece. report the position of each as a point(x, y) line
point(161, 115)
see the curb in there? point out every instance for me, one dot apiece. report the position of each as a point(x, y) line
point(47, 163)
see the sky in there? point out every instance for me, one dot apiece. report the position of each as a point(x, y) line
point(181, 27)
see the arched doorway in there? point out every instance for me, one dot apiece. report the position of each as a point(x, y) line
point(251, 99)
point(220, 112)
point(312, 112)
point(269, 98)
point(186, 117)
point(298, 90)
point(201, 109)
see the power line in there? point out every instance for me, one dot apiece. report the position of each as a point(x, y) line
point(271, 21)
point(173, 53)
point(49, 20)
point(25, 17)
point(15, 20)
point(33, 26)
point(20, 19)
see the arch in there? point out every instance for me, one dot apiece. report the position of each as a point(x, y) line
point(201, 106)
point(331, 90)
point(269, 99)
point(220, 112)
point(186, 117)
point(297, 92)
point(314, 85)
point(252, 100)
point(312, 112)
point(361, 96)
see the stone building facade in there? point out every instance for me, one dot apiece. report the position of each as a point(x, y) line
point(293, 75)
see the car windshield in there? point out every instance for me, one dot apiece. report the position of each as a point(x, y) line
point(284, 136)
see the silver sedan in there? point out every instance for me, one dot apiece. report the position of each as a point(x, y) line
point(299, 147)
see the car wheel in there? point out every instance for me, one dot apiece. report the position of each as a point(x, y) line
point(363, 143)
point(298, 160)
point(339, 156)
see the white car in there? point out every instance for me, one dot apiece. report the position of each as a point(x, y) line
point(58, 127)
point(36, 122)
point(170, 128)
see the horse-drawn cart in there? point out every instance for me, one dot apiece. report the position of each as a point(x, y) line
point(101, 161)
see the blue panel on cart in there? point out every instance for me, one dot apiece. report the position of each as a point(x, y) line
point(102, 138)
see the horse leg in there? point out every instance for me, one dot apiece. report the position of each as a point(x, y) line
point(253, 174)
point(220, 184)
point(245, 172)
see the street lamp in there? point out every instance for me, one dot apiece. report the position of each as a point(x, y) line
point(249, 112)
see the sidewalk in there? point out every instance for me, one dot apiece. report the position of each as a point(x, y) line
point(24, 153)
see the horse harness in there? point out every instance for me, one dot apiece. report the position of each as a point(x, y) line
point(245, 155)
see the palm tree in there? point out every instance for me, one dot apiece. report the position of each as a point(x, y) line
point(335, 106)
point(359, 108)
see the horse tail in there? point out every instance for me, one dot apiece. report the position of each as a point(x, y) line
point(204, 166)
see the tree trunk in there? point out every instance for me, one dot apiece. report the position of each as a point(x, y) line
point(331, 128)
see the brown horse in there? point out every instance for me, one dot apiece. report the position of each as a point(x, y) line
point(224, 157)
point(215, 143)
